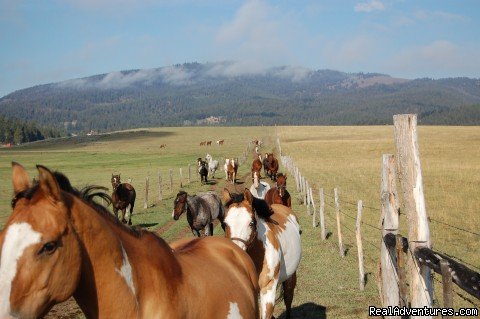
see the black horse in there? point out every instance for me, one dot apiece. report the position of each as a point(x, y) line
point(123, 195)
point(202, 170)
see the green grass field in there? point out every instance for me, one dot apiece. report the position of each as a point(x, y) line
point(345, 157)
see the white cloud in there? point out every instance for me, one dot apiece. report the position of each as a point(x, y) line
point(437, 59)
point(351, 54)
point(372, 5)
point(439, 15)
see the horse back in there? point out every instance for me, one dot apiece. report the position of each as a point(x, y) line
point(234, 287)
point(287, 235)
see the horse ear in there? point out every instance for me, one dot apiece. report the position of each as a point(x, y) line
point(48, 183)
point(248, 196)
point(226, 196)
point(20, 178)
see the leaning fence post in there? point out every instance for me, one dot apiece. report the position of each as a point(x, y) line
point(447, 285)
point(358, 234)
point(171, 181)
point(160, 190)
point(339, 231)
point(410, 173)
point(145, 203)
point(390, 210)
point(323, 232)
point(307, 198)
point(189, 173)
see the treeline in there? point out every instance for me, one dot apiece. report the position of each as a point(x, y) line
point(14, 131)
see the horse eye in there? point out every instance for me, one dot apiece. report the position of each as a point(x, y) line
point(252, 223)
point(49, 248)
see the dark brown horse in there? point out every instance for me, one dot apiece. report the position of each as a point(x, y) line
point(123, 196)
point(257, 166)
point(279, 193)
point(272, 167)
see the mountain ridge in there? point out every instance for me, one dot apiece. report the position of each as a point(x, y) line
point(187, 94)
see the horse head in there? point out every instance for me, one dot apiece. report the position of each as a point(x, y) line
point(115, 180)
point(179, 205)
point(281, 184)
point(240, 223)
point(39, 247)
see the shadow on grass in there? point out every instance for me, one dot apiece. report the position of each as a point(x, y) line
point(329, 234)
point(307, 311)
point(211, 182)
point(146, 225)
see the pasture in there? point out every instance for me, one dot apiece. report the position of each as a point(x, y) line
point(345, 157)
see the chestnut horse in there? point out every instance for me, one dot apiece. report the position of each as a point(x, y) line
point(257, 166)
point(272, 167)
point(279, 193)
point(123, 196)
point(271, 236)
point(59, 243)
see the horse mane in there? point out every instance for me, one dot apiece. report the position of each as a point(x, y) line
point(260, 206)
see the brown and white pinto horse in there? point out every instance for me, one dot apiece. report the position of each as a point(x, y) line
point(231, 168)
point(279, 193)
point(58, 243)
point(272, 238)
point(257, 166)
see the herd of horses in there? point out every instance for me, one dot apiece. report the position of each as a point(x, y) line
point(208, 143)
point(60, 242)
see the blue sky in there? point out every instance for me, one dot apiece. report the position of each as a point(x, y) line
point(49, 41)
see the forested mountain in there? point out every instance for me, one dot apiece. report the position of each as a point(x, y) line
point(230, 93)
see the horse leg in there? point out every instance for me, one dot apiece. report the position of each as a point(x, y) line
point(115, 212)
point(288, 289)
point(267, 299)
point(209, 229)
point(131, 212)
point(123, 215)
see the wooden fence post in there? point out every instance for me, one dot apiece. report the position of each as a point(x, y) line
point(358, 234)
point(145, 203)
point(307, 197)
point(447, 285)
point(390, 210)
point(323, 232)
point(410, 173)
point(171, 181)
point(160, 190)
point(304, 190)
point(181, 178)
point(189, 173)
point(339, 230)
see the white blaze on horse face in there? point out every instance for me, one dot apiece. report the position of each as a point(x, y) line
point(238, 219)
point(126, 272)
point(19, 237)
point(255, 180)
point(234, 311)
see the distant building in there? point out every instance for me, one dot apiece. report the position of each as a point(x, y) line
point(92, 132)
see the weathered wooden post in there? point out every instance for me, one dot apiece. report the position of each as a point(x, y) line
point(410, 173)
point(171, 181)
point(358, 234)
point(181, 178)
point(145, 203)
point(312, 202)
point(304, 190)
point(323, 232)
point(390, 211)
point(189, 173)
point(160, 190)
point(447, 285)
point(306, 198)
point(339, 230)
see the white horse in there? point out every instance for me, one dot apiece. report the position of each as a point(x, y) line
point(259, 188)
point(225, 167)
point(212, 165)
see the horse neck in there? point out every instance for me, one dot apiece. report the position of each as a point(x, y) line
point(191, 204)
point(114, 261)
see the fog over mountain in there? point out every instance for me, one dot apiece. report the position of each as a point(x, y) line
point(239, 93)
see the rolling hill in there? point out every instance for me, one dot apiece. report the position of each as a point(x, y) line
point(229, 93)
